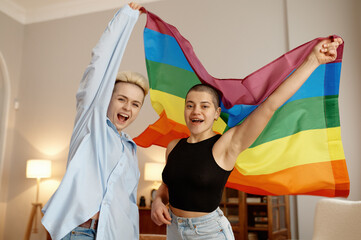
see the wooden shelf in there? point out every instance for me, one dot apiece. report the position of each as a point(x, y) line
point(257, 204)
point(273, 211)
point(235, 228)
point(281, 231)
point(257, 229)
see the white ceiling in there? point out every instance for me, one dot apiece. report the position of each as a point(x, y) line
point(32, 11)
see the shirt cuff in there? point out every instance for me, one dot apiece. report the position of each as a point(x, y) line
point(129, 11)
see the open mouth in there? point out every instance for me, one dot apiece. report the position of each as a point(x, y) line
point(122, 117)
point(197, 120)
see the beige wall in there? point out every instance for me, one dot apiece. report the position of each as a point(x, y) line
point(231, 41)
point(11, 45)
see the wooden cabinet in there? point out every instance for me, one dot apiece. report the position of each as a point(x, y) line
point(234, 211)
point(256, 217)
point(146, 225)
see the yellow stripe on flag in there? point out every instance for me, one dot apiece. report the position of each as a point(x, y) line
point(174, 107)
point(305, 147)
point(334, 143)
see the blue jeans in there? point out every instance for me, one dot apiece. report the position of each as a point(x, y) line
point(213, 226)
point(80, 233)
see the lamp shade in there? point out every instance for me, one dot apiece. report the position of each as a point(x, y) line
point(36, 168)
point(153, 171)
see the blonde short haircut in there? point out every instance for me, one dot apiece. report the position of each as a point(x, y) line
point(135, 78)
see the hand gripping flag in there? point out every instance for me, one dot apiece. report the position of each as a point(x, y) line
point(300, 150)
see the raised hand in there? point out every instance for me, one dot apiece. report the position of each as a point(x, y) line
point(326, 51)
point(136, 6)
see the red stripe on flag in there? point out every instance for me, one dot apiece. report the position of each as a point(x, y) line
point(254, 88)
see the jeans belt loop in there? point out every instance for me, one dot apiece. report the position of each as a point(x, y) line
point(92, 224)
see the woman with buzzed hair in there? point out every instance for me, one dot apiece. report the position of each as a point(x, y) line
point(198, 167)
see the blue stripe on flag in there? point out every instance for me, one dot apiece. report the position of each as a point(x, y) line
point(155, 42)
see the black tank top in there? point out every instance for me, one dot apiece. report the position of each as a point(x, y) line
point(195, 181)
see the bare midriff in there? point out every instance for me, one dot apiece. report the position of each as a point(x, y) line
point(186, 214)
point(96, 216)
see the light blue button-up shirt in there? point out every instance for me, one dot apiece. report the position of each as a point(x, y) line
point(102, 172)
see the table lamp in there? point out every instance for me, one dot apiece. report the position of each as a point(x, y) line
point(153, 172)
point(36, 168)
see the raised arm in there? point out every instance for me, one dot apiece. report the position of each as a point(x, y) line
point(239, 138)
point(98, 80)
point(97, 84)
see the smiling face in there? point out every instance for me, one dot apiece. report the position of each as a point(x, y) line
point(200, 113)
point(124, 106)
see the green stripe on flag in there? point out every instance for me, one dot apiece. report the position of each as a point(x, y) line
point(170, 79)
point(331, 111)
point(300, 115)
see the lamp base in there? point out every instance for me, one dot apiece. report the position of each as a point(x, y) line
point(31, 219)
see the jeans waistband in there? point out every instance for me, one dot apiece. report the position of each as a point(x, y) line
point(91, 224)
point(192, 222)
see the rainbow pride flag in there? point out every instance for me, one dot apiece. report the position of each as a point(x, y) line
point(299, 152)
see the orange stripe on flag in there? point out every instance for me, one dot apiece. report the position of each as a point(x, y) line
point(162, 132)
point(342, 181)
point(325, 178)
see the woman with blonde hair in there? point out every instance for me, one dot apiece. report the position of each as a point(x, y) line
point(96, 198)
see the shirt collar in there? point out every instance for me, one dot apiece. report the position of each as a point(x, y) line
point(124, 136)
point(112, 126)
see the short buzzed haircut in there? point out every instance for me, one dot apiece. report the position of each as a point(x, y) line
point(206, 88)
